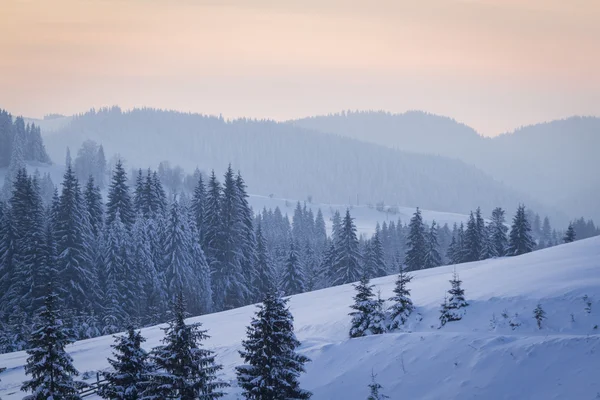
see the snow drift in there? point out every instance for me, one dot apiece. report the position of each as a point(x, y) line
point(495, 352)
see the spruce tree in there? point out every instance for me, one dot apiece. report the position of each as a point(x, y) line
point(417, 249)
point(402, 305)
point(74, 264)
point(50, 367)
point(432, 255)
point(473, 242)
point(293, 279)
point(265, 275)
point(367, 317)
point(119, 199)
point(570, 234)
point(453, 308)
point(197, 206)
point(272, 365)
point(246, 239)
point(539, 314)
point(498, 231)
point(520, 239)
point(375, 390)
point(185, 371)
point(377, 267)
point(130, 368)
point(346, 266)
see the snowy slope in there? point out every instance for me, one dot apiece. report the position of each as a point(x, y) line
point(469, 359)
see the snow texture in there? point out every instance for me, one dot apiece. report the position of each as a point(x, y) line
point(482, 356)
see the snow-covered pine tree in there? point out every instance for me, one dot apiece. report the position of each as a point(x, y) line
point(498, 233)
point(539, 314)
point(49, 365)
point(197, 206)
point(520, 239)
point(139, 193)
point(570, 234)
point(346, 266)
point(368, 317)
point(149, 284)
point(119, 284)
point(130, 368)
point(453, 308)
point(178, 263)
point(185, 370)
point(473, 240)
point(119, 199)
point(246, 238)
point(377, 267)
point(265, 276)
point(546, 233)
point(74, 265)
point(229, 281)
point(320, 234)
point(375, 390)
point(201, 271)
point(272, 366)
point(432, 255)
point(402, 305)
point(292, 278)
point(416, 243)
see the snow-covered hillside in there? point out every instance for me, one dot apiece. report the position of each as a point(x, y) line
point(479, 357)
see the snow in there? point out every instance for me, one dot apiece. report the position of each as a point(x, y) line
point(471, 358)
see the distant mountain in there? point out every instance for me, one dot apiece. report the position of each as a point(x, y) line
point(290, 161)
point(555, 162)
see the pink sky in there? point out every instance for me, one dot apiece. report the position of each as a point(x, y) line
point(492, 64)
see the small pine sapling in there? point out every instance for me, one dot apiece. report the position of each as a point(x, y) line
point(539, 314)
point(375, 389)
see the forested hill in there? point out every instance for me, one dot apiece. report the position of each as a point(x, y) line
point(20, 142)
point(289, 161)
point(555, 161)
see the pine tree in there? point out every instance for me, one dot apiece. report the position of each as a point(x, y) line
point(185, 370)
point(375, 389)
point(72, 246)
point(130, 365)
point(50, 367)
point(498, 231)
point(119, 282)
point(265, 276)
point(293, 279)
point(570, 234)
point(520, 240)
point(119, 199)
point(197, 206)
point(179, 272)
point(139, 193)
point(417, 249)
point(272, 366)
point(246, 238)
point(367, 317)
point(539, 314)
point(432, 254)
point(346, 266)
point(473, 247)
point(453, 308)
point(377, 266)
point(402, 306)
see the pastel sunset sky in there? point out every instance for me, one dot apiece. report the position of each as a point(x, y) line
point(492, 64)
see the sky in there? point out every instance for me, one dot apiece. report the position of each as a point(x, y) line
point(494, 65)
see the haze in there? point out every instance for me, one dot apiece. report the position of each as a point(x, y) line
point(492, 64)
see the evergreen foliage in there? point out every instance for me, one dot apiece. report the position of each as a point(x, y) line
point(402, 305)
point(416, 243)
point(346, 265)
point(130, 367)
point(453, 308)
point(570, 234)
point(375, 390)
point(185, 370)
point(520, 239)
point(367, 317)
point(50, 367)
point(540, 315)
point(272, 365)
